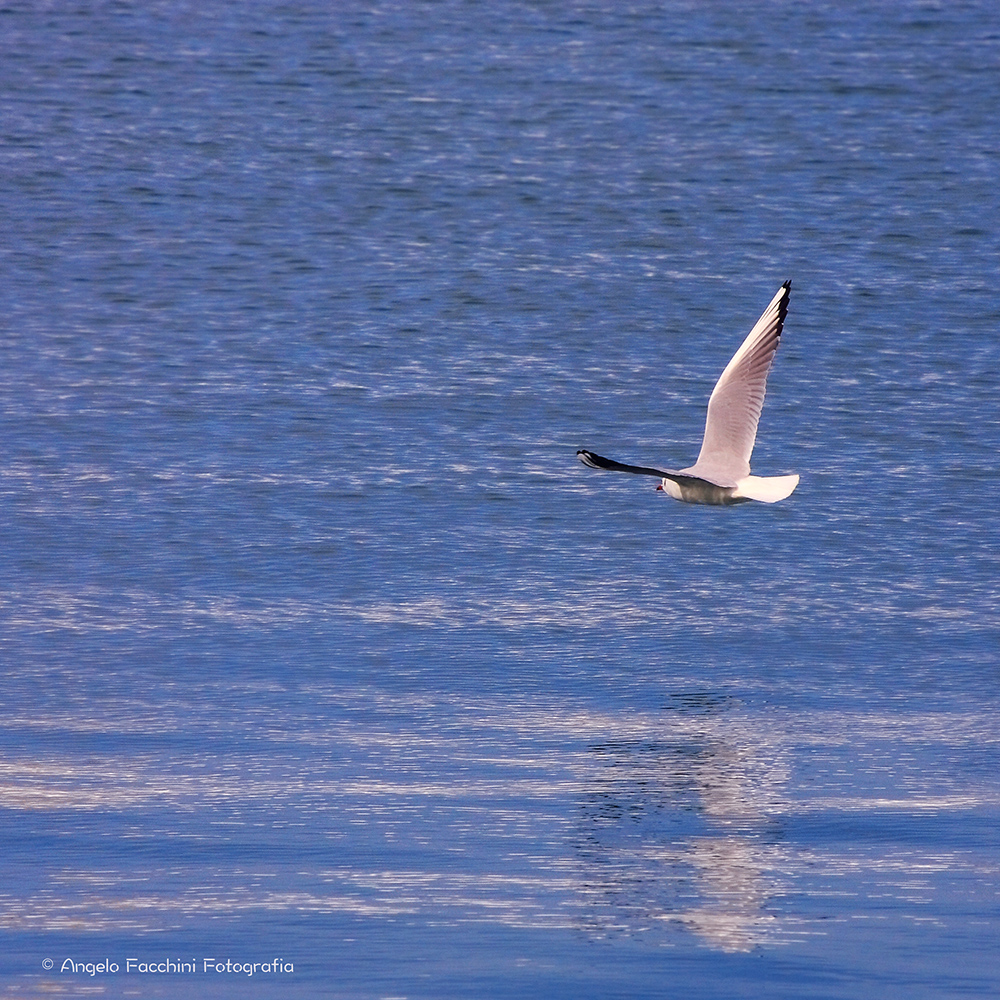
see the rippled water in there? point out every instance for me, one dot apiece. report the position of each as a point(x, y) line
point(318, 642)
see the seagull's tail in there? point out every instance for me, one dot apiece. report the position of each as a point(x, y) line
point(766, 489)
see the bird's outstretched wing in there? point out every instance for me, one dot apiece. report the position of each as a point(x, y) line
point(735, 404)
point(599, 462)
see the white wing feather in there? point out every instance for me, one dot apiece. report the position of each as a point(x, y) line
point(737, 399)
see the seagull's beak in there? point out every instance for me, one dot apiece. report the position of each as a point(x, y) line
point(659, 486)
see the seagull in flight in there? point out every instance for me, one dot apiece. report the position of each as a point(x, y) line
point(722, 473)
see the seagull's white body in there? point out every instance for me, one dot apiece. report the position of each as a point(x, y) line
point(722, 473)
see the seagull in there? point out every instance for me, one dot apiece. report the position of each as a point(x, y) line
point(722, 473)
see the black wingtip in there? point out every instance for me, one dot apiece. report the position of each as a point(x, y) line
point(595, 461)
point(783, 305)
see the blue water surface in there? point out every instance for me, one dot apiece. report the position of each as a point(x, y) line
point(323, 655)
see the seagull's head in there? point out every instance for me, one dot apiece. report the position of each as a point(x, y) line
point(671, 488)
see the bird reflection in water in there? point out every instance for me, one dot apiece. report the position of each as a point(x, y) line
point(682, 829)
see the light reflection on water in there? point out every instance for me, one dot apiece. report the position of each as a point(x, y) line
point(652, 825)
